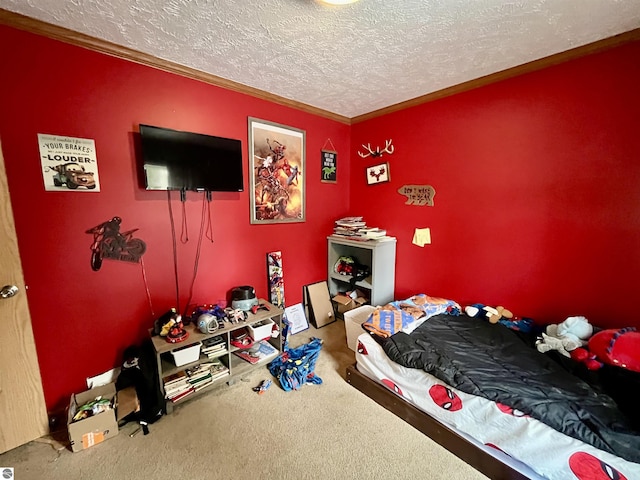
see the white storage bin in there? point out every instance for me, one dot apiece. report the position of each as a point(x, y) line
point(261, 330)
point(186, 354)
point(353, 320)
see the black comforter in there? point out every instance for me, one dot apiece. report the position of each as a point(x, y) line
point(491, 361)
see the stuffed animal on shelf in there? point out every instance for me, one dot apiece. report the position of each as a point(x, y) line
point(617, 347)
point(478, 310)
point(565, 337)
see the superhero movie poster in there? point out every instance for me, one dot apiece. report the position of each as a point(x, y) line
point(68, 164)
point(276, 172)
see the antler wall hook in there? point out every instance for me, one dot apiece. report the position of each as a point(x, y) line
point(388, 148)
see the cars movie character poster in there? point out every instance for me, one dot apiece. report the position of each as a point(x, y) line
point(68, 164)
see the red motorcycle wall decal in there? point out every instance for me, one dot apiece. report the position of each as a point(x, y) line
point(110, 243)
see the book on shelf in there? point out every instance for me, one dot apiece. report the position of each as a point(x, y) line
point(372, 232)
point(202, 385)
point(220, 374)
point(198, 370)
point(181, 395)
point(215, 351)
point(197, 376)
point(176, 390)
point(193, 379)
point(214, 355)
point(200, 380)
point(350, 222)
point(176, 385)
point(363, 239)
point(213, 341)
point(212, 348)
point(174, 378)
point(260, 352)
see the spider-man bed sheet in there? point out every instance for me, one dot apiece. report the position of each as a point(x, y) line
point(481, 388)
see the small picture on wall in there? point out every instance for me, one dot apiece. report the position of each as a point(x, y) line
point(329, 166)
point(378, 174)
point(68, 163)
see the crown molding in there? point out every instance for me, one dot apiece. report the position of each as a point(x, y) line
point(22, 22)
point(66, 35)
point(574, 53)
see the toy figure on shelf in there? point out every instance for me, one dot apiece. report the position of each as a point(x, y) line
point(170, 326)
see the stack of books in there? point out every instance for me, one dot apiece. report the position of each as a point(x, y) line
point(214, 347)
point(355, 228)
point(372, 233)
point(186, 382)
point(177, 386)
point(348, 226)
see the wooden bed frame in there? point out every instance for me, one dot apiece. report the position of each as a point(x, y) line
point(456, 444)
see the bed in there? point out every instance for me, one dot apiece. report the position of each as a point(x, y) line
point(486, 394)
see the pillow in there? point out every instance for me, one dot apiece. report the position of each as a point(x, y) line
point(406, 315)
point(385, 322)
point(423, 306)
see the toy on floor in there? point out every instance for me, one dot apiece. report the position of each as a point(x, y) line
point(263, 387)
point(616, 347)
point(566, 336)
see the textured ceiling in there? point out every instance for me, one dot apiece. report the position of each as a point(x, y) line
point(348, 60)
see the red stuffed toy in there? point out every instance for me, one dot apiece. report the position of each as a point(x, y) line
point(617, 347)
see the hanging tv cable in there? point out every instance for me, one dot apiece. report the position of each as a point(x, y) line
point(146, 287)
point(209, 225)
point(175, 250)
point(184, 236)
point(197, 259)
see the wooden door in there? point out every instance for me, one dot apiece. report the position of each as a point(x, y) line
point(23, 415)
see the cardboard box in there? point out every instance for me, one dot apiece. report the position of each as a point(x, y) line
point(127, 402)
point(95, 429)
point(345, 302)
point(320, 309)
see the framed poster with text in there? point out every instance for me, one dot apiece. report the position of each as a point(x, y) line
point(68, 163)
point(329, 161)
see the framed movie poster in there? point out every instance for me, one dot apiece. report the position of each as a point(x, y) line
point(276, 172)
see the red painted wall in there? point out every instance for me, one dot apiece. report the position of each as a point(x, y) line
point(537, 181)
point(537, 192)
point(82, 319)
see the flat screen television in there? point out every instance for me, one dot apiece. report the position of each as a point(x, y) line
point(175, 160)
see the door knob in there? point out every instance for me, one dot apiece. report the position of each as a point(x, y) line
point(8, 291)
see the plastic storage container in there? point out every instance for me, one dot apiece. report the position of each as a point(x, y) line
point(261, 330)
point(186, 354)
point(353, 320)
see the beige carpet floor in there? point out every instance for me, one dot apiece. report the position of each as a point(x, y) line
point(328, 431)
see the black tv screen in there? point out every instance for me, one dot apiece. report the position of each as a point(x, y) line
point(175, 160)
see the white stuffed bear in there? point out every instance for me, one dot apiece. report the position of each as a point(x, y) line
point(566, 336)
